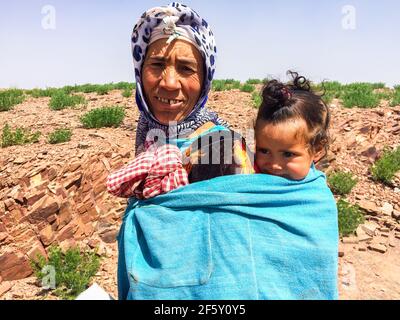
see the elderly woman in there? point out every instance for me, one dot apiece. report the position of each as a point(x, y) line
point(231, 237)
point(174, 56)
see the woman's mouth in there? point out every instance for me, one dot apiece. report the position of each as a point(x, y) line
point(171, 102)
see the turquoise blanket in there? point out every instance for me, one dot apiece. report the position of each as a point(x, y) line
point(232, 237)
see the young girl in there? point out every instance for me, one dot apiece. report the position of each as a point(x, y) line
point(291, 129)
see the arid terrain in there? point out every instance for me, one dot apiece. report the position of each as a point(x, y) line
point(56, 193)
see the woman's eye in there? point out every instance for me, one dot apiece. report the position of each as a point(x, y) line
point(187, 69)
point(157, 65)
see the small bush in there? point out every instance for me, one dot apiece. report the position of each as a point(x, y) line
point(254, 81)
point(73, 270)
point(39, 93)
point(225, 85)
point(362, 97)
point(124, 86)
point(10, 98)
point(349, 217)
point(127, 93)
point(378, 85)
point(257, 99)
point(384, 95)
point(219, 85)
point(395, 98)
point(247, 88)
point(61, 100)
point(103, 117)
point(59, 136)
point(18, 137)
point(103, 90)
point(386, 166)
point(341, 182)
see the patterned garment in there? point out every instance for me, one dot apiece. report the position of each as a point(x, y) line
point(154, 172)
point(179, 21)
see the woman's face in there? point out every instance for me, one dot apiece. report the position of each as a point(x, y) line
point(172, 78)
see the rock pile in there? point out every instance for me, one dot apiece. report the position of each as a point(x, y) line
point(56, 204)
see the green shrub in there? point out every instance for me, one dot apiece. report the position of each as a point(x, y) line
point(124, 86)
point(257, 99)
point(103, 117)
point(103, 90)
point(10, 98)
point(39, 93)
point(396, 97)
point(385, 95)
point(18, 137)
point(386, 166)
point(328, 90)
point(378, 85)
point(61, 100)
point(127, 93)
point(224, 85)
point(73, 270)
point(349, 217)
point(341, 182)
point(218, 85)
point(59, 136)
point(359, 95)
point(254, 81)
point(247, 87)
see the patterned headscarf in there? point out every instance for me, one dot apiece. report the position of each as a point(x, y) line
point(175, 21)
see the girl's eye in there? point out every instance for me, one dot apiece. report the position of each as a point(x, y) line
point(263, 151)
point(288, 154)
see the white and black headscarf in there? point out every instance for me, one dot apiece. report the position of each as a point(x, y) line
point(175, 21)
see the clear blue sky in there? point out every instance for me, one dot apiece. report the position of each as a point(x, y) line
point(255, 39)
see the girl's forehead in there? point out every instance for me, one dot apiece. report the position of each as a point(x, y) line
point(288, 132)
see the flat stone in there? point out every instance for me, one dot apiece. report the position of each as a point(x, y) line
point(377, 247)
point(387, 209)
point(47, 235)
point(43, 209)
point(5, 287)
point(370, 228)
point(364, 237)
point(369, 206)
point(14, 266)
point(350, 240)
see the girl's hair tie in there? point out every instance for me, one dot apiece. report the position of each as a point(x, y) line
point(286, 93)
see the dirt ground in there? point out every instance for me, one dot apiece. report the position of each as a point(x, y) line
point(363, 273)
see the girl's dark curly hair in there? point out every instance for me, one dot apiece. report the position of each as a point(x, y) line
point(296, 100)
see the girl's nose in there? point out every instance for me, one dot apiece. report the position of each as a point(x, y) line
point(169, 79)
point(276, 166)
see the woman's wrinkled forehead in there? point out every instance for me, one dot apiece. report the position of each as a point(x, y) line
point(183, 50)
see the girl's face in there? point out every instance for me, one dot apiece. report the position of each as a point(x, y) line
point(282, 151)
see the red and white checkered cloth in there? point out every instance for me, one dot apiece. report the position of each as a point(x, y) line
point(155, 171)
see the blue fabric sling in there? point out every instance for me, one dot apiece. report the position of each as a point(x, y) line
point(233, 237)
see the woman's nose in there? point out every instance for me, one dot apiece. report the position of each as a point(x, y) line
point(170, 79)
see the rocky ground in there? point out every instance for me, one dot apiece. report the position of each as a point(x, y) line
point(55, 193)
